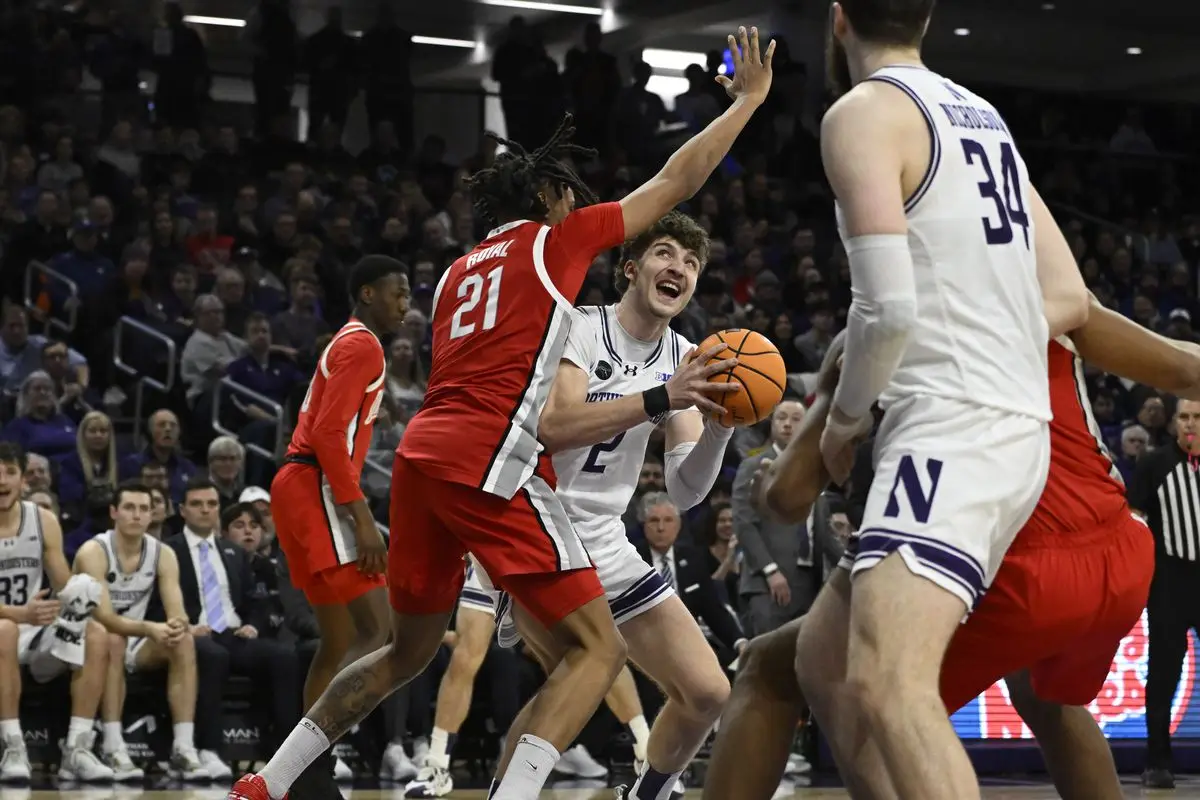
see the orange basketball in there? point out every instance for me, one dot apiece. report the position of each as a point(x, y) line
point(760, 371)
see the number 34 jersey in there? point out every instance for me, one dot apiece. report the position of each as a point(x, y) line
point(595, 484)
point(501, 315)
point(980, 334)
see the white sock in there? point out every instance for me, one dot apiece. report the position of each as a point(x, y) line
point(78, 726)
point(185, 733)
point(439, 741)
point(640, 731)
point(301, 748)
point(10, 728)
point(114, 736)
point(528, 770)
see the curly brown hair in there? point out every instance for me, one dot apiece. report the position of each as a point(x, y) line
point(676, 225)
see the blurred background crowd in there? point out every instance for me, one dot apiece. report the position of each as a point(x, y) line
point(174, 252)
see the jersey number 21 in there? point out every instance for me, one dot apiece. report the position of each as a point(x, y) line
point(470, 292)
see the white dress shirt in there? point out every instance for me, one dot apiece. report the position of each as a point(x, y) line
point(232, 620)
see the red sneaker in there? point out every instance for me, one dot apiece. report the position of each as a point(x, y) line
point(250, 787)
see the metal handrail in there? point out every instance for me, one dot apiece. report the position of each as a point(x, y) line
point(72, 294)
point(164, 386)
point(375, 466)
point(260, 400)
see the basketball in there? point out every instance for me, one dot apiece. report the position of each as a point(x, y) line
point(760, 371)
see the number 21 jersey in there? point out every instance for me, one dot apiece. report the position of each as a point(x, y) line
point(501, 315)
point(980, 334)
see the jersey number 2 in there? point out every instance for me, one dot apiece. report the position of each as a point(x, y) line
point(1007, 198)
point(593, 460)
point(470, 292)
point(14, 591)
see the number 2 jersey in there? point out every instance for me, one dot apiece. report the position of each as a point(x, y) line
point(501, 315)
point(980, 334)
point(595, 484)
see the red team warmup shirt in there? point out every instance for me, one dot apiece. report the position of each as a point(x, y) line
point(1075, 580)
point(500, 322)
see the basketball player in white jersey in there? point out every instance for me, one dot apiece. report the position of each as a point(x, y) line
point(131, 566)
point(619, 362)
point(30, 546)
point(947, 330)
point(474, 626)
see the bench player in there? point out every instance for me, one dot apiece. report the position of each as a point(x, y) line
point(947, 330)
point(469, 476)
point(30, 547)
point(131, 566)
point(335, 552)
point(595, 425)
point(1070, 588)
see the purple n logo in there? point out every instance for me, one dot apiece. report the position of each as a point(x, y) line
point(918, 501)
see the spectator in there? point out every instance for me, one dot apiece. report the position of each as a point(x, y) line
point(226, 459)
point(40, 426)
point(39, 238)
point(21, 351)
point(405, 378)
point(300, 326)
point(162, 451)
point(208, 249)
point(226, 615)
point(56, 175)
point(89, 269)
point(815, 343)
point(723, 560)
point(70, 381)
point(160, 509)
point(206, 356)
point(92, 465)
point(230, 289)
point(39, 476)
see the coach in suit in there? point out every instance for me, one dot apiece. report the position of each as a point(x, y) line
point(226, 612)
point(684, 568)
point(778, 582)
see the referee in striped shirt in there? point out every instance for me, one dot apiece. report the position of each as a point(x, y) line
point(1166, 490)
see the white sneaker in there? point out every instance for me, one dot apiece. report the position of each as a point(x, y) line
point(218, 770)
point(185, 766)
point(14, 765)
point(639, 766)
point(578, 762)
point(797, 765)
point(342, 772)
point(79, 763)
point(124, 770)
point(432, 781)
point(420, 752)
point(396, 766)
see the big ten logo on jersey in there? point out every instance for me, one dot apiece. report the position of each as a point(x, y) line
point(470, 291)
point(911, 482)
point(1003, 190)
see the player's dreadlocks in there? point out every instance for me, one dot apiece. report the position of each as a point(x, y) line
point(508, 190)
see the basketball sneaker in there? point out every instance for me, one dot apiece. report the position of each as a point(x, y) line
point(14, 766)
point(79, 763)
point(250, 787)
point(433, 780)
point(124, 770)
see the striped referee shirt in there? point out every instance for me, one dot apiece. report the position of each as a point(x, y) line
point(1166, 489)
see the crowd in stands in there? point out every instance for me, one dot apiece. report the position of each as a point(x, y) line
point(233, 245)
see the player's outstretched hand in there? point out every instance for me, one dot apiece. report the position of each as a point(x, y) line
point(751, 68)
point(689, 386)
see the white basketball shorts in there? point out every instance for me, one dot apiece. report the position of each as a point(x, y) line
point(33, 651)
point(954, 483)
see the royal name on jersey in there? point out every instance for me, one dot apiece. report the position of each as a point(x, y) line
point(980, 325)
point(21, 568)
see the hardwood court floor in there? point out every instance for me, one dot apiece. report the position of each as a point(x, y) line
point(1189, 789)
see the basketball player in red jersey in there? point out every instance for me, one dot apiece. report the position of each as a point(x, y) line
point(1070, 588)
point(470, 475)
point(335, 552)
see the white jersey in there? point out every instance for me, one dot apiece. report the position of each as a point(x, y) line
point(596, 483)
point(21, 559)
point(130, 592)
point(981, 331)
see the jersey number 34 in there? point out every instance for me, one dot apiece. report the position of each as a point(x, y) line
point(1006, 195)
point(470, 292)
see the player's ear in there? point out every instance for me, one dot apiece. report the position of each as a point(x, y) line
point(630, 268)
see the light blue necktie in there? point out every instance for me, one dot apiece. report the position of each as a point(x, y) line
point(211, 587)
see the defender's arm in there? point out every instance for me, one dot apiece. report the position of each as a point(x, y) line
point(1063, 291)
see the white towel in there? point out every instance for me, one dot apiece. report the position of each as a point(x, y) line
point(79, 599)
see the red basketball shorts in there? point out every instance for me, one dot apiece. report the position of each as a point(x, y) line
point(303, 526)
point(1058, 607)
point(526, 545)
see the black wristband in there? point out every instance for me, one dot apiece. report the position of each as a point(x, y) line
point(656, 401)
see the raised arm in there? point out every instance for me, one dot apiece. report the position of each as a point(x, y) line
point(695, 451)
point(687, 170)
point(1120, 346)
point(53, 557)
point(1063, 291)
point(91, 560)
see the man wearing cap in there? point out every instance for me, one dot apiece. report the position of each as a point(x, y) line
point(90, 271)
point(1179, 325)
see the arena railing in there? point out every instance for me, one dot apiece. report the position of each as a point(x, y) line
point(34, 288)
point(276, 410)
point(127, 326)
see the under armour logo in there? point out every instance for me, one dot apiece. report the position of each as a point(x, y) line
point(631, 370)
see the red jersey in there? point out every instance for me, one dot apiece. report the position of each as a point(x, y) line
point(501, 315)
point(1083, 489)
point(338, 415)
